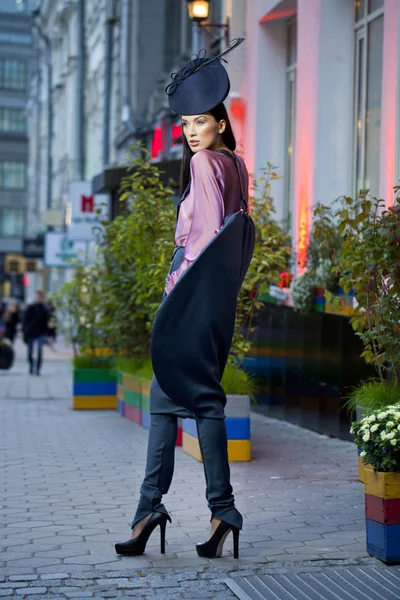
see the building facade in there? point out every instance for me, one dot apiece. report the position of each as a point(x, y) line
point(16, 66)
point(99, 89)
point(314, 90)
point(320, 95)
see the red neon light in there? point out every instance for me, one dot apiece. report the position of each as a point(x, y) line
point(156, 143)
point(238, 108)
point(176, 134)
point(279, 14)
point(25, 280)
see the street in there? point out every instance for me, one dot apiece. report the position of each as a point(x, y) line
point(70, 482)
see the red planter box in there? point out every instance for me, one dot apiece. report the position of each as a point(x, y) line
point(382, 510)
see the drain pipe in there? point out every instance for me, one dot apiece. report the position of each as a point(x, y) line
point(47, 44)
point(111, 19)
point(79, 132)
point(125, 65)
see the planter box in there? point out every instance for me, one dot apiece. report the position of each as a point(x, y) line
point(94, 389)
point(382, 515)
point(305, 366)
point(132, 398)
point(134, 401)
point(237, 424)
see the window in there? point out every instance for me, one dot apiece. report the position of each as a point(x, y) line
point(13, 74)
point(12, 119)
point(11, 222)
point(368, 93)
point(291, 59)
point(15, 38)
point(12, 175)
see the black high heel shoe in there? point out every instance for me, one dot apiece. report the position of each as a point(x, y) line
point(214, 546)
point(136, 546)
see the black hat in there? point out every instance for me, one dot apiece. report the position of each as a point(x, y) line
point(200, 84)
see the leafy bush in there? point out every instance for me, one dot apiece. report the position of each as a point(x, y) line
point(134, 367)
point(372, 395)
point(369, 264)
point(136, 250)
point(378, 437)
point(93, 362)
point(236, 381)
point(81, 305)
point(271, 257)
point(302, 290)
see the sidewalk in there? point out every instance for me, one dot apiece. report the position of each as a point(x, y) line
point(70, 483)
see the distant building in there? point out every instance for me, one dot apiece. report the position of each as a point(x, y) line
point(17, 63)
point(109, 62)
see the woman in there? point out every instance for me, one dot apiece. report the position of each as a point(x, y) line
point(193, 329)
point(11, 321)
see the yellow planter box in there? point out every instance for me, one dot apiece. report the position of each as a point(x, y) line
point(382, 485)
point(238, 450)
point(361, 470)
point(94, 402)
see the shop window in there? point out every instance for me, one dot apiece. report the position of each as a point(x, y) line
point(11, 222)
point(368, 93)
point(12, 119)
point(291, 68)
point(13, 74)
point(12, 175)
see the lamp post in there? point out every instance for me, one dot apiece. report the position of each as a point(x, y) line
point(199, 11)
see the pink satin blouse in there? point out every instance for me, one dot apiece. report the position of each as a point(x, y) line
point(214, 195)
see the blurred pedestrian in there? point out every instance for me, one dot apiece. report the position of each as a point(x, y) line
point(11, 321)
point(35, 329)
point(192, 332)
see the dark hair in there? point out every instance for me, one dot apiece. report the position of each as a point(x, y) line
point(219, 113)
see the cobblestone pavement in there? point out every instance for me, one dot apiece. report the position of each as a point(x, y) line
point(69, 483)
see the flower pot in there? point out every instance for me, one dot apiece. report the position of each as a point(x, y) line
point(237, 425)
point(94, 389)
point(382, 515)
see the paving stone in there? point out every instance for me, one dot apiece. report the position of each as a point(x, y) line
point(68, 500)
point(31, 591)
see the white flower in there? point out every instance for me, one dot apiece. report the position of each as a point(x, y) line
point(383, 435)
point(366, 436)
point(362, 454)
point(382, 415)
point(397, 415)
point(374, 427)
point(393, 442)
point(390, 424)
point(352, 429)
point(371, 418)
point(398, 427)
point(390, 435)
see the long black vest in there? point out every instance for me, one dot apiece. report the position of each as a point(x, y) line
point(193, 329)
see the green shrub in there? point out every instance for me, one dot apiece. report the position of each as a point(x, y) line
point(236, 381)
point(93, 362)
point(371, 395)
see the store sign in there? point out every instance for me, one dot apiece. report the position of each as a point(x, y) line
point(85, 210)
point(33, 247)
point(61, 251)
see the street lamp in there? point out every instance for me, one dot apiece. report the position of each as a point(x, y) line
point(199, 11)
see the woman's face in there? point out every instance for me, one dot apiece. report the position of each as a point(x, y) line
point(202, 131)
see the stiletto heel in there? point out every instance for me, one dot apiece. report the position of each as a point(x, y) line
point(235, 543)
point(214, 546)
point(136, 546)
point(163, 527)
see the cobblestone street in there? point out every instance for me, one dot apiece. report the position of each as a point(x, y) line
point(70, 483)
